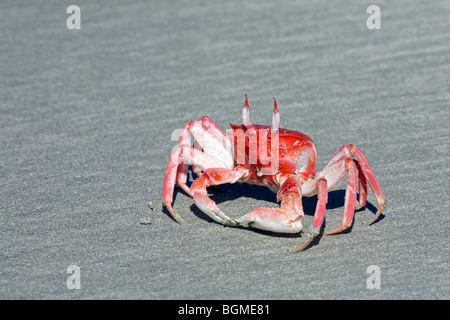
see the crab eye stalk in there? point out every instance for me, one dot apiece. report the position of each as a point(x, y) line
point(275, 116)
point(246, 113)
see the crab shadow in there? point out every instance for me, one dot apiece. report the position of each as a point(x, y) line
point(231, 192)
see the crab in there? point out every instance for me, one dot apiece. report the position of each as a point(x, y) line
point(280, 159)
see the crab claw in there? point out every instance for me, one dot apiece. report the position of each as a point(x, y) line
point(271, 219)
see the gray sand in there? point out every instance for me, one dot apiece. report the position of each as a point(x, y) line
point(85, 134)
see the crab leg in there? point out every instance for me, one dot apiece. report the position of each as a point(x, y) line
point(362, 187)
point(319, 215)
point(169, 180)
point(215, 176)
point(208, 137)
point(181, 176)
point(366, 176)
point(195, 167)
point(212, 140)
point(176, 170)
point(350, 196)
point(178, 162)
point(204, 124)
point(334, 173)
point(372, 180)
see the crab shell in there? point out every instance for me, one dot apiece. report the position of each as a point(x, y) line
point(296, 151)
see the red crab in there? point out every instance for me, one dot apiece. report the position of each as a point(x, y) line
point(281, 159)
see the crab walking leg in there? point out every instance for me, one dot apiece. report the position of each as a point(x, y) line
point(350, 197)
point(204, 126)
point(182, 177)
point(362, 187)
point(350, 150)
point(212, 140)
point(175, 172)
point(196, 168)
point(215, 176)
point(373, 182)
point(322, 199)
point(169, 181)
point(184, 166)
point(285, 219)
point(319, 215)
point(184, 141)
point(345, 151)
point(209, 137)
